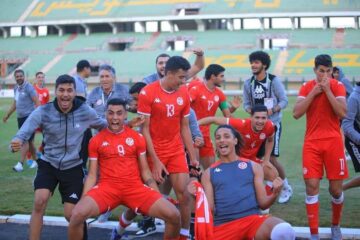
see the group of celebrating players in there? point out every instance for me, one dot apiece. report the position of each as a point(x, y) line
point(168, 145)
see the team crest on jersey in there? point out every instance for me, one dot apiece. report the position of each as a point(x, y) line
point(180, 101)
point(129, 141)
point(216, 98)
point(242, 165)
point(143, 92)
point(262, 136)
point(99, 102)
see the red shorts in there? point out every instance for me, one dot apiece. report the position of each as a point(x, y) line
point(173, 164)
point(243, 228)
point(136, 196)
point(207, 150)
point(328, 153)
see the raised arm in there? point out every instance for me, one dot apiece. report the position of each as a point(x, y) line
point(198, 64)
point(302, 103)
point(213, 120)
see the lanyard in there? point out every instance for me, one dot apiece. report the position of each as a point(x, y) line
point(103, 97)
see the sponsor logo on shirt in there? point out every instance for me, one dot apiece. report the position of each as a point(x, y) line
point(157, 100)
point(104, 144)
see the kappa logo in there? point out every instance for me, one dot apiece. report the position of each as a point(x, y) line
point(77, 125)
point(157, 100)
point(242, 165)
point(99, 102)
point(253, 144)
point(203, 97)
point(217, 170)
point(104, 144)
point(247, 136)
point(258, 90)
point(74, 196)
point(129, 141)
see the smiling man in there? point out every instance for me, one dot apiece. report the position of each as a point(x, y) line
point(63, 123)
point(166, 106)
point(255, 131)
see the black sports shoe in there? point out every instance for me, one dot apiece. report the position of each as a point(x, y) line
point(147, 227)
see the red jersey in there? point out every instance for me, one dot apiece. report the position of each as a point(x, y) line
point(252, 140)
point(205, 103)
point(43, 94)
point(117, 154)
point(166, 110)
point(194, 82)
point(321, 120)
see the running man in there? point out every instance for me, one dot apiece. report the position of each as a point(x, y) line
point(25, 102)
point(323, 102)
point(165, 105)
point(235, 193)
point(63, 124)
point(266, 89)
point(119, 154)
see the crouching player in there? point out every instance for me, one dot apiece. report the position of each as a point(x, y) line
point(120, 155)
point(235, 192)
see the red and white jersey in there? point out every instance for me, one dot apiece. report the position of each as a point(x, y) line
point(43, 94)
point(117, 154)
point(252, 140)
point(166, 111)
point(321, 120)
point(205, 103)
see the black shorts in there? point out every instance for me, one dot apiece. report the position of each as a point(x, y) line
point(276, 149)
point(21, 122)
point(71, 181)
point(354, 152)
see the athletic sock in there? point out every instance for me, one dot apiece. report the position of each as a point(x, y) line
point(123, 223)
point(85, 237)
point(312, 210)
point(337, 205)
point(184, 234)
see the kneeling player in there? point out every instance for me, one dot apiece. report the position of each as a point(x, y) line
point(120, 154)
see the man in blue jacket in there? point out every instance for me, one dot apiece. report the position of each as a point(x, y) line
point(63, 123)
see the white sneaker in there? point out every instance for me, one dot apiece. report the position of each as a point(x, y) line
point(33, 164)
point(285, 194)
point(18, 167)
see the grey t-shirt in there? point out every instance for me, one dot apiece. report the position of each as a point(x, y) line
point(97, 99)
point(24, 95)
point(81, 85)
